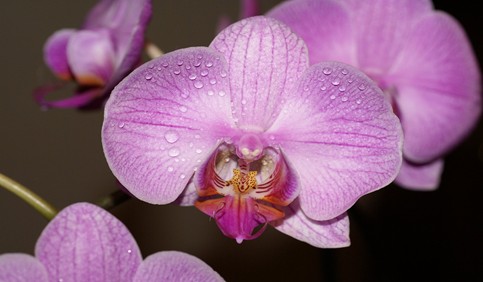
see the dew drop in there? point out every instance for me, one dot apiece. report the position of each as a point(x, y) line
point(342, 88)
point(170, 169)
point(212, 81)
point(222, 93)
point(182, 176)
point(171, 136)
point(198, 84)
point(204, 73)
point(197, 63)
point(180, 63)
point(165, 64)
point(344, 99)
point(129, 251)
point(173, 152)
point(227, 160)
point(358, 102)
point(332, 97)
point(223, 74)
point(177, 71)
point(344, 71)
point(188, 67)
point(198, 151)
point(148, 76)
point(244, 102)
point(192, 76)
point(183, 109)
point(121, 125)
point(362, 86)
point(323, 87)
point(210, 93)
point(151, 66)
point(336, 82)
point(327, 70)
point(209, 64)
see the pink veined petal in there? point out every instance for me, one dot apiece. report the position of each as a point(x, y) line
point(264, 59)
point(325, 26)
point(424, 177)
point(341, 136)
point(86, 243)
point(438, 85)
point(164, 119)
point(91, 57)
point(55, 53)
point(333, 233)
point(175, 266)
point(16, 267)
point(381, 27)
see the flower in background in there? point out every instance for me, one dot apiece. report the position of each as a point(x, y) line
point(254, 135)
point(420, 57)
point(99, 55)
point(86, 243)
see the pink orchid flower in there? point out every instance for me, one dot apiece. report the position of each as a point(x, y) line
point(86, 243)
point(99, 55)
point(252, 135)
point(420, 57)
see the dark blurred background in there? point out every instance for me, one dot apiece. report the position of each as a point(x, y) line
point(397, 235)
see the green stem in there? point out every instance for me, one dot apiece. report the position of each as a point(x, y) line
point(114, 199)
point(34, 200)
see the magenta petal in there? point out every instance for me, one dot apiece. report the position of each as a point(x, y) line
point(86, 243)
point(17, 267)
point(421, 177)
point(438, 80)
point(91, 57)
point(175, 266)
point(164, 119)
point(55, 52)
point(341, 136)
point(265, 59)
point(79, 99)
point(333, 233)
point(325, 26)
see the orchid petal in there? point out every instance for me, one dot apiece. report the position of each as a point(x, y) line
point(55, 53)
point(333, 233)
point(325, 26)
point(16, 267)
point(175, 266)
point(439, 99)
point(420, 177)
point(91, 57)
point(86, 243)
point(164, 120)
point(127, 21)
point(381, 27)
point(79, 99)
point(342, 137)
point(264, 59)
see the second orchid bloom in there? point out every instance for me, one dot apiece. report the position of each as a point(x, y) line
point(249, 133)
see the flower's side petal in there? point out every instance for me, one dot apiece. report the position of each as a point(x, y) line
point(175, 266)
point(438, 82)
point(265, 58)
point(333, 233)
point(79, 99)
point(325, 26)
point(127, 20)
point(341, 136)
point(16, 267)
point(55, 53)
point(418, 177)
point(381, 27)
point(189, 195)
point(86, 243)
point(164, 119)
point(91, 57)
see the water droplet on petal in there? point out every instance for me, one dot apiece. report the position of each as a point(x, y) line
point(148, 76)
point(204, 73)
point(212, 81)
point(171, 136)
point(358, 102)
point(173, 152)
point(192, 76)
point(243, 102)
point(198, 84)
point(182, 176)
point(323, 87)
point(336, 82)
point(222, 93)
point(165, 64)
point(183, 109)
point(209, 64)
point(210, 93)
point(199, 151)
point(197, 64)
point(327, 70)
point(223, 74)
point(129, 251)
point(332, 97)
point(170, 169)
point(344, 99)
point(121, 125)
point(180, 63)
point(188, 67)
point(177, 71)
point(344, 71)
point(362, 86)
point(342, 88)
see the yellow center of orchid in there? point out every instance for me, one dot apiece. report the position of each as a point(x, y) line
point(243, 182)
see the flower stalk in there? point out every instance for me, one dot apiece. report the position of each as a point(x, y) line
point(34, 200)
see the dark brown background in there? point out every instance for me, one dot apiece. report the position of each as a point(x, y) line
point(397, 235)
